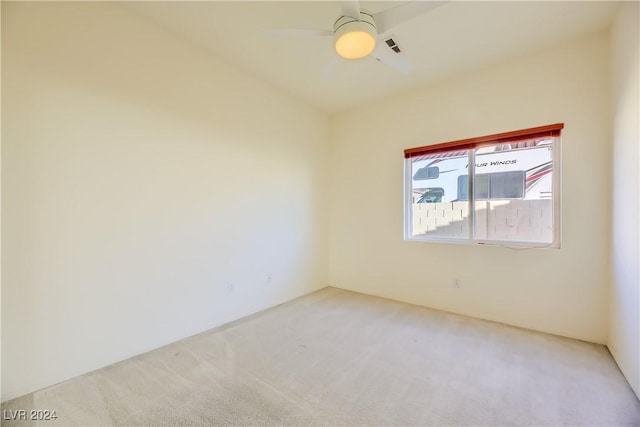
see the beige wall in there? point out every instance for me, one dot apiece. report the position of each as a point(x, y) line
point(141, 179)
point(562, 291)
point(624, 319)
point(0, 216)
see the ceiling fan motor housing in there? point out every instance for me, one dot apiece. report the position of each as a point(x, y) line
point(355, 38)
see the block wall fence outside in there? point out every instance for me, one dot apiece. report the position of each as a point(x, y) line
point(516, 220)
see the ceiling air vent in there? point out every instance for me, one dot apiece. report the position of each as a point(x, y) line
point(393, 45)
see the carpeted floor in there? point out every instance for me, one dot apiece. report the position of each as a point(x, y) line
point(336, 358)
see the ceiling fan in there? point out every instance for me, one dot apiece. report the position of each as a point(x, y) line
point(358, 33)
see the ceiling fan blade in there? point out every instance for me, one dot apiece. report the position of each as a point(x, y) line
point(351, 8)
point(390, 18)
point(296, 32)
point(383, 54)
point(331, 68)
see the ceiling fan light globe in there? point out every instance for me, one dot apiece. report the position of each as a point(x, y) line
point(355, 38)
point(355, 44)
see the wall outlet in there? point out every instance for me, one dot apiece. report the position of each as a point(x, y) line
point(456, 283)
point(269, 278)
point(230, 288)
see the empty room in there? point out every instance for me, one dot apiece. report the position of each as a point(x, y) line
point(320, 213)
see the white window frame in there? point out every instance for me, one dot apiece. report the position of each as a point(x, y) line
point(470, 240)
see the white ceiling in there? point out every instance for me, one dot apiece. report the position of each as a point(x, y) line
point(453, 38)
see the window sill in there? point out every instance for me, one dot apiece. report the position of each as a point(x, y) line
point(499, 243)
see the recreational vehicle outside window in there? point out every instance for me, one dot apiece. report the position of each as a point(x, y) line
point(493, 186)
point(499, 189)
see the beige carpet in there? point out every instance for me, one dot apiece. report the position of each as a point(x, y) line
point(340, 358)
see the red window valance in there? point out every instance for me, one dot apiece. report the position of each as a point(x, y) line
point(465, 144)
